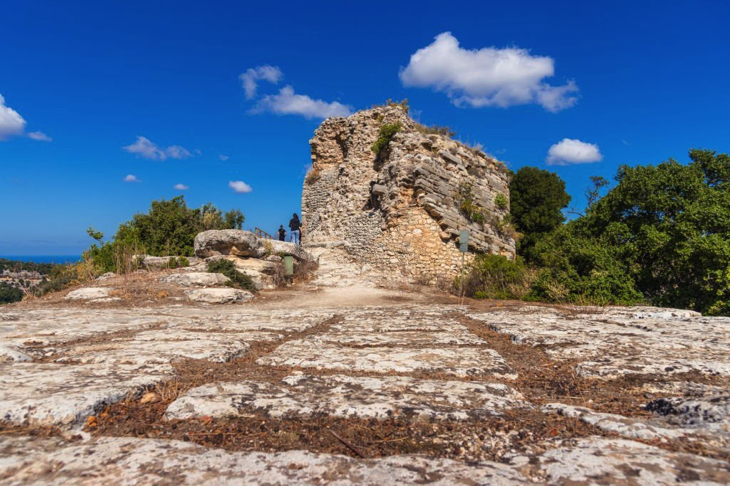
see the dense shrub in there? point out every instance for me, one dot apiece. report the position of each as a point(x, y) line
point(238, 279)
point(9, 294)
point(496, 277)
point(386, 134)
point(168, 228)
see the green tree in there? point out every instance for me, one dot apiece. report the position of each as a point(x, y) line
point(536, 199)
point(672, 225)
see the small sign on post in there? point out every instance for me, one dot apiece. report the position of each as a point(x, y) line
point(464, 249)
point(464, 241)
point(288, 265)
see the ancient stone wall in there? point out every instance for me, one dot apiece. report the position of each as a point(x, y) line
point(401, 211)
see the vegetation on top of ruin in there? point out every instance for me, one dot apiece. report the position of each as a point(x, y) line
point(386, 134)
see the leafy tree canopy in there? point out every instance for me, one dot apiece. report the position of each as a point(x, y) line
point(536, 199)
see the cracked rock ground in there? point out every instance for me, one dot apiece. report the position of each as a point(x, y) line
point(301, 388)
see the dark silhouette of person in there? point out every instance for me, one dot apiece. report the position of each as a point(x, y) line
point(295, 227)
point(281, 234)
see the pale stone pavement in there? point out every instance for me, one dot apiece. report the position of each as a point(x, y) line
point(410, 361)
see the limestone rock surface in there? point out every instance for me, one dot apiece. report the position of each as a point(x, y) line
point(228, 242)
point(219, 296)
point(196, 279)
point(89, 293)
point(345, 396)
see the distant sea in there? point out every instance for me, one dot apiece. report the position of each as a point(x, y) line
point(43, 258)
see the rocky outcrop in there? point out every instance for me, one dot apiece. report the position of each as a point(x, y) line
point(228, 242)
point(219, 296)
point(402, 209)
point(196, 279)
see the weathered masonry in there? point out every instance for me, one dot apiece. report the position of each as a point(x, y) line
point(401, 210)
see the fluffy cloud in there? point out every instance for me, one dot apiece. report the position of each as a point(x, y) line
point(487, 76)
point(131, 178)
point(144, 147)
point(40, 136)
point(569, 151)
point(181, 187)
point(11, 123)
point(287, 102)
point(240, 187)
point(223, 157)
point(250, 78)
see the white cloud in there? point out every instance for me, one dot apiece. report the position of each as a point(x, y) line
point(40, 136)
point(131, 178)
point(11, 123)
point(181, 187)
point(223, 157)
point(486, 77)
point(249, 79)
point(240, 187)
point(569, 151)
point(286, 102)
point(150, 150)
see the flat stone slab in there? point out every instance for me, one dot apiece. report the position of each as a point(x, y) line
point(148, 461)
point(411, 318)
point(89, 293)
point(596, 460)
point(315, 353)
point(620, 341)
point(618, 424)
point(196, 279)
point(346, 396)
point(112, 460)
point(57, 394)
point(159, 347)
point(459, 336)
point(219, 296)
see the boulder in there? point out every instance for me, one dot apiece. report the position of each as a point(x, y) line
point(196, 279)
point(219, 296)
point(292, 249)
point(88, 293)
point(156, 263)
point(228, 242)
point(106, 276)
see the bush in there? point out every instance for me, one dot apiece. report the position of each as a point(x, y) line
point(497, 277)
point(172, 262)
point(386, 134)
point(183, 262)
point(9, 294)
point(169, 228)
point(238, 279)
point(500, 200)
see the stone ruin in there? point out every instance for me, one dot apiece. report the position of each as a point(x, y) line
point(401, 211)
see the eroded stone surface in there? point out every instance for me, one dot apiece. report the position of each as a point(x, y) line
point(622, 341)
point(346, 396)
point(196, 279)
point(61, 394)
point(315, 353)
point(618, 424)
point(160, 347)
point(136, 461)
point(89, 293)
point(587, 461)
point(596, 460)
point(219, 296)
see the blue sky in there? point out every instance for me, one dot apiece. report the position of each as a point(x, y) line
point(625, 82)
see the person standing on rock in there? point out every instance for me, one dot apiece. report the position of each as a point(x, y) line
point(281, 234)
point(294, 226)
